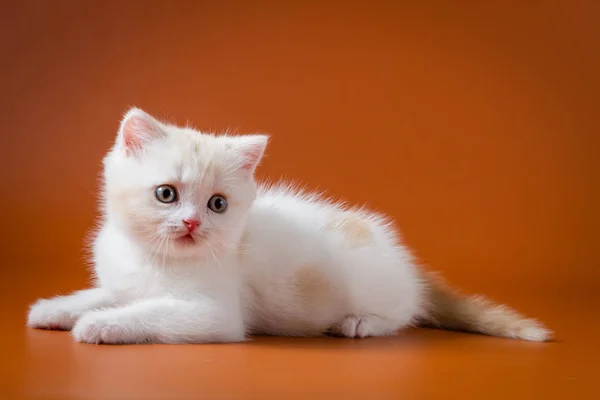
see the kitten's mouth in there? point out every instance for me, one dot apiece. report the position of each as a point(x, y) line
point(186, 239)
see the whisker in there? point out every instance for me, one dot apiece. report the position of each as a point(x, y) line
point(211, 248)
point(222, 243)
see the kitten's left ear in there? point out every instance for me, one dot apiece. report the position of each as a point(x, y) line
point(250, 150)
point(137, 129)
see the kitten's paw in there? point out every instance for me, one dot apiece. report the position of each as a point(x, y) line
point(99, 327)
point(354, 326)
point(349, 327)
point(51, 314)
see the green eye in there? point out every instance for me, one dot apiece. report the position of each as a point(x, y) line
point(166, 194)
point(218, 204)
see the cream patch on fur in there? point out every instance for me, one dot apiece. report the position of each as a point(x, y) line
point(120, 201)
point(354, 228)
point(312, 287)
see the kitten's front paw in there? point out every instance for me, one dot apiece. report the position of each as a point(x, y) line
point(99, 327)
point(51, 314)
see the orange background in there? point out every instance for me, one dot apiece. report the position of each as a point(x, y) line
point(474, 125)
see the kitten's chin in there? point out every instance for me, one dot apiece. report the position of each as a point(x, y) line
point(187, 247)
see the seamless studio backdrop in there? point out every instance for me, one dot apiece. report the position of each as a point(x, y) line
point(475, 127)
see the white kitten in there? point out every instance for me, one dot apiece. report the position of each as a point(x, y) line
point(191, 250)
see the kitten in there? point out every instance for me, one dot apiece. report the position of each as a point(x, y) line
point(192, 250)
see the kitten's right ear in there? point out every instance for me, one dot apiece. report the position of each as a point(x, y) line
point(137, 129)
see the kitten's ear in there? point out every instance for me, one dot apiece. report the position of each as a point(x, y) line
point(137, 128)
point(249, 150)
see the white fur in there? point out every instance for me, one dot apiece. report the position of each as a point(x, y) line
point(377, 282)
point(271, 264)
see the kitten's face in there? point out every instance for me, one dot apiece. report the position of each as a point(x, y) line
point(178, 192)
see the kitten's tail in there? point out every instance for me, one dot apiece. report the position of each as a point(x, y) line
point(448, 309)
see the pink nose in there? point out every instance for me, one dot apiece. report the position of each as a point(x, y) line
point(191, 224)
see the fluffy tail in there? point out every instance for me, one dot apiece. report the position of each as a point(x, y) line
point(448, 309)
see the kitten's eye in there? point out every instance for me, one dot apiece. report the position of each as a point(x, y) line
point(166, 194)
point(218, 203)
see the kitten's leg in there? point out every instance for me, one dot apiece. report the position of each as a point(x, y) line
point(354, 326)
point(62, 312)
point(161, 320)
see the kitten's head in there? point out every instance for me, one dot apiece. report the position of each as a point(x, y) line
point(179, 192)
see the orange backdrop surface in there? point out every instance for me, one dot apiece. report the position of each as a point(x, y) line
point(475, 126)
